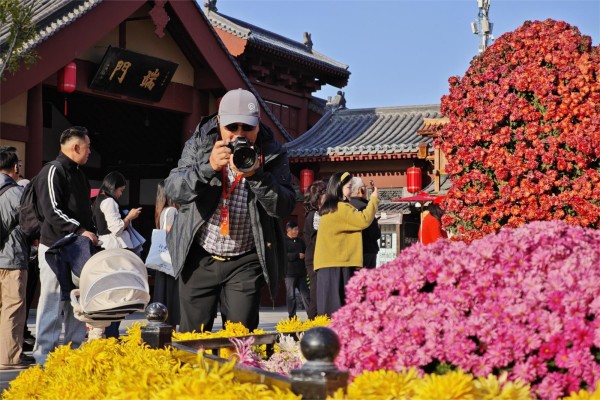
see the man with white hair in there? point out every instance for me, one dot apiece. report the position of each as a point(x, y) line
point(371, 235)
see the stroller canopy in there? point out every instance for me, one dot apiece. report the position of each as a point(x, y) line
point(113, 284)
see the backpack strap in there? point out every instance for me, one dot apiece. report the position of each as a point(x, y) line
point(3, 189)
point(7, 186)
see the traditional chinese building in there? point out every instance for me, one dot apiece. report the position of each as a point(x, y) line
point(285, 72)
point(140, 75)
point(378, 144)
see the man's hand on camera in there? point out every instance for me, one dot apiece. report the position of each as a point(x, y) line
point(220, 155)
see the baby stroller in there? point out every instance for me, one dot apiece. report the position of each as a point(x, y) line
point(112, 285)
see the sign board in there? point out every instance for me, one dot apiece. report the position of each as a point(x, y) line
point(388, 245)
point(133, 74)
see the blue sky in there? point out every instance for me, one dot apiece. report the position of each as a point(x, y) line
point(402, 52)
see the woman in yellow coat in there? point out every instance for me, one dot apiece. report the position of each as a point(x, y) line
point(339, 242)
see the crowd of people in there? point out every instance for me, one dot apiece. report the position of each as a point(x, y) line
point(222, 208)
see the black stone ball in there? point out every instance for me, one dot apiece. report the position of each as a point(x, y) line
point(157, 312)
point(320, 344)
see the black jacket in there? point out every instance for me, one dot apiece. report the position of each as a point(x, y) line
point(370, 235)
point(310, 238)
point(99, 218)
point(197, 188)
point(63, 196)
point(295, 265)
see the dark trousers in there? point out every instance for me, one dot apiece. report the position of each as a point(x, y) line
point(331, 288)
point(291, 283)
point(370, 260)
point(311, 311)
point(205, 281)
point(33, 281)
point(166, 291)
point(112, 330)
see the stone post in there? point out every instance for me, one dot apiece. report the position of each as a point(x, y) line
point(157, 334)
point(318, 377)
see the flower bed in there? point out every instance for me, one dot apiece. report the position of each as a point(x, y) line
point(523, 140)
point(523, 301)
point(111, 369)
point(126, 369)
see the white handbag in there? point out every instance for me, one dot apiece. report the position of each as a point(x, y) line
point(158, 257)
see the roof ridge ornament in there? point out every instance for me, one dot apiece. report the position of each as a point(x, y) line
point(210, 5)
point(306, 40)
point(337, 103)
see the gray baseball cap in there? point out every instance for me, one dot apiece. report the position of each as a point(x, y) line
point(239, 105)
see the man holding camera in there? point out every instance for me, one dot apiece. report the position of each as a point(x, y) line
point(233, 183)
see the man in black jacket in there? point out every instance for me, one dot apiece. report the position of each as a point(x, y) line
point(227, 240)
point(371, 235)
point(63, 196)
point(295, 273)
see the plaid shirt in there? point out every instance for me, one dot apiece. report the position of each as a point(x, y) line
point(240, 239)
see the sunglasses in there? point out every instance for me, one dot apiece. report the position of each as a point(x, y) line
point(235, 127)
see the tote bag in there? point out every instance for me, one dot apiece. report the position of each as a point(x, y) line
point(158, 256)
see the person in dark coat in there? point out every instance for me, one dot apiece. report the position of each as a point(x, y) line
point(295, 273)
point(372, 234)
point(227, 240)
point(313, 198)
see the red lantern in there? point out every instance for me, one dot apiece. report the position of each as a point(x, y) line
point(413, 179)
point(67, 80)
point(307, 177)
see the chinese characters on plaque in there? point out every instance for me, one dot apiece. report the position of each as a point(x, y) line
point(133, 74)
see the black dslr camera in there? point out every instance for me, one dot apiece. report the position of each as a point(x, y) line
point(244, 156)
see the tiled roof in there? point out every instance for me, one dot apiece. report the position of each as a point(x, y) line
point(393, 208)
point(445, 185)
point(50, 16)
point(432, 126)
point(364, 132)
point(317, 105)
point(267, 39)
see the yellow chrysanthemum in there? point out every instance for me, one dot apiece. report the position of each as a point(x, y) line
point(290, 325)
point(27, 384)
point(319, 320)
point(110, 369)
point(133, 334)
point(455, 385)
point(383, 385)
point(499, 388)
point(585, 395)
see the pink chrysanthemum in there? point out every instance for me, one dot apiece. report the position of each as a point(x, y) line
point(520, 301)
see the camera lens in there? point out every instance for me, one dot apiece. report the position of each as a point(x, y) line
point(244, 156)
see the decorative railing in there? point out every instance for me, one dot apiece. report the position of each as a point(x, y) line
point(315, 380)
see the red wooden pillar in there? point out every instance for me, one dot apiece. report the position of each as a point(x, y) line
point(35, 141)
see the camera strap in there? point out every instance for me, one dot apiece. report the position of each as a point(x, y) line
point(225, 206)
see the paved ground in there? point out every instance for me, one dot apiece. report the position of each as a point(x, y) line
point(268, 319)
